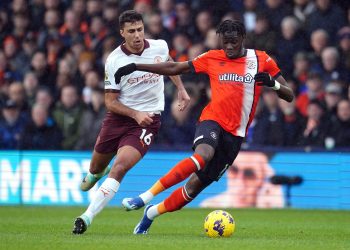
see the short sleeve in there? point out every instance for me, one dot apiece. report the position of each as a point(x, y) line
point(270, 66)
point(200, 63)
point(109, 77)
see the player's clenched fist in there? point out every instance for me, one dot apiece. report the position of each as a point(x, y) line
point(143, 118)
point(125, 70)
point(264, 78)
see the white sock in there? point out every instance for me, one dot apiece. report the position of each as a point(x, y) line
point(102, 196)
point(146, 196)
point(152, 213)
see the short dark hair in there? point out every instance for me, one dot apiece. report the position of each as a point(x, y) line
point(229, 26)
point(129, 16)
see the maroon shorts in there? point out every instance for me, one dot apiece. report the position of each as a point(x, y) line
point(118, 131)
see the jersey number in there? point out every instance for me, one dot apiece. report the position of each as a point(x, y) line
point(146, 138)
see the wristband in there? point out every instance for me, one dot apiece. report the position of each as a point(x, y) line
point(277, 86)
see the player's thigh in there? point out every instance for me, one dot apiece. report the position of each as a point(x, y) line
point(127, 157)
point(100, 161)
point(207, 133)
point(225, 153)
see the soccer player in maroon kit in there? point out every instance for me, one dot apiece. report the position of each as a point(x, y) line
point(134, 104)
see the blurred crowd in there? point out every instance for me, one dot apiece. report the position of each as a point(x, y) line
point(52, 55)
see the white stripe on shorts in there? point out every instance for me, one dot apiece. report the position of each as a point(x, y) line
point(199, 137)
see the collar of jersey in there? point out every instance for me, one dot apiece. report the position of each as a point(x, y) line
point(128, 52)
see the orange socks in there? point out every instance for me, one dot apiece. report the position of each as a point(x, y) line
point(157, 188)
point(181, 171)
point(177, 200)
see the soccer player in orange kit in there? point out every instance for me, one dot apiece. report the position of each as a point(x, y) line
point(236, 77)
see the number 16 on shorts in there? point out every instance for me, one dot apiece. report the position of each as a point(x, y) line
point(146, 138)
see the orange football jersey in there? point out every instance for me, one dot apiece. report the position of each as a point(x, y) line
point(234, 92)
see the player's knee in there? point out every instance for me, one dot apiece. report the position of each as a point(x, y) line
point(95, 168)
point(195, 185)
point(119, 170)
point(206, 152)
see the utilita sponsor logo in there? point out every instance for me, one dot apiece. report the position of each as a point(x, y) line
point(235, 78)
point(146, 78)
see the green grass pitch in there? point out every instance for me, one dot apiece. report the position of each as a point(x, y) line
point(50, 228)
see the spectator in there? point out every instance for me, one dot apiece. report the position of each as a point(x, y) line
point(344, 47)
point(95, 36)
point(301, 67)
point(41, 133)
point(211, 40)
point(71, 29)
point(20, 25)
point(331, 68)
point(67, 114)
point(110, 12)
point(39, 66)
point(262, 37)
point(315, 127)
point(50, 30)
point(94, 8)
point(302, 10)
point(44, 98)
point(276, 11)
point(167, 10)
point(269, 127)
point(184, 18)
point(178, 126)
point(181, 44)
point(327, 16)
point(91, 120)
point(293, 122)
point(12, 124)
point(339, 129)
point(319, 40)
point(314, 85)
point(155, 28)
point(92, 81)
point(30, 84)
point(292, 40)
point(204, 23)
point(17, 94)
point(25, 54)
point(332, 98)
point(249, 14)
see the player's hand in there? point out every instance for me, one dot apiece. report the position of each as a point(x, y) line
point(183, 99)
point(125, 70)
point(265, 79)
point(144, 118)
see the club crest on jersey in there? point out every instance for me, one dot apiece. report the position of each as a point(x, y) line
point(251, 64)
point(158, 59)
point(235, 78)
point(213, 135)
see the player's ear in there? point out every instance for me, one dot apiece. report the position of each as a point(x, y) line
point(122, 32)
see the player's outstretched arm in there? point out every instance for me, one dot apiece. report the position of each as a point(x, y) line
point(182, 96)
point(280, 85)
point(166, 68)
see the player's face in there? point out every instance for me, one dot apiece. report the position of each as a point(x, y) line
point(133, 34)
point(232, 45)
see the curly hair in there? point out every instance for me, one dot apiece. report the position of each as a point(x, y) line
point(229, 26)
